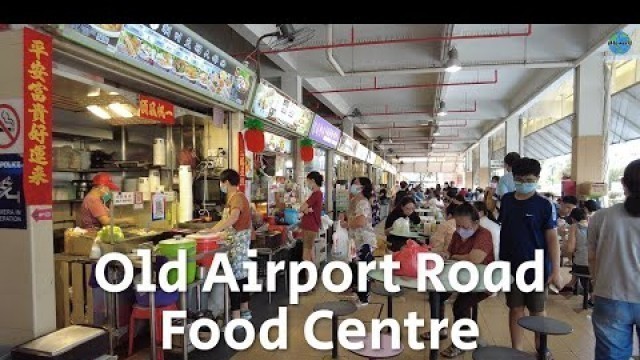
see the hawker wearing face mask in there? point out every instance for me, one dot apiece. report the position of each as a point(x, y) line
point(528, 224)
point(94, 212)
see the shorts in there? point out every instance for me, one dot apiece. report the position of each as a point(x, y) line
point(309, 238)
point(534, 301)
point(239, 297)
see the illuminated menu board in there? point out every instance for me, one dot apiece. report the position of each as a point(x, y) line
point(172, 52)
point(378, 161)
point(277, 144)
point(348, 145)
point(272, 104)
point(325, 133)
point(362, 153)
point(371, 159)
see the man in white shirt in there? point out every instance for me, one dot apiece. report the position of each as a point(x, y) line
point(507, 184)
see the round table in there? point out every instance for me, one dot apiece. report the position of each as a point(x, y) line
point(378, 289)
point(384, 352)
point(338, 308)
point(434, 295)
point(544, 326)
point(500, 353)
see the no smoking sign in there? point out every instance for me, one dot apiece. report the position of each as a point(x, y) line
point(11, 127)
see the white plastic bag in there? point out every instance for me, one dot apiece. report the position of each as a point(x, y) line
point(401, 226)
point(326, 223)
point(341, 244)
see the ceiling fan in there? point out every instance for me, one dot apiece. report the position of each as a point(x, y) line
point(285, 37)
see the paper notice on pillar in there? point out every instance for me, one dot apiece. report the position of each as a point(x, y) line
point(13, 214)
point(157, 207)
point(123, 198)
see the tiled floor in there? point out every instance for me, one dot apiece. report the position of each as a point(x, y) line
point(492, 320)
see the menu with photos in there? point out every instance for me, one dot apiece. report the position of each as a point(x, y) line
point(272, 104)
point(362, 153)
point(173, 52)
point(348, 145)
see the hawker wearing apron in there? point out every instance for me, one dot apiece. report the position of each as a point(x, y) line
point(236, 220)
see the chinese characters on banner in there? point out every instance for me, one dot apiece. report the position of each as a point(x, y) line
point(156, 109)
point(242, 162)
point(38, 52)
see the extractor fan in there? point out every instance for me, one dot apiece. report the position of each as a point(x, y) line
point(286, 36)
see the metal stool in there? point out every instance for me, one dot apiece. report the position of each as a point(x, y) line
point(544, 326)
point(379, 289)
point(338, 308)
point(384, 352)
point(500, 353)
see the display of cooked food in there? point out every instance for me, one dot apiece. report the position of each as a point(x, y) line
point(180, 66)
point(164, 59)
point(191, 72)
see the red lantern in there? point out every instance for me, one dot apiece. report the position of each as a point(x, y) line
point(254, 136)
point(306, 150)
point(254, 139)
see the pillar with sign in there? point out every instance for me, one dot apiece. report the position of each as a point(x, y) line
point(26, 181)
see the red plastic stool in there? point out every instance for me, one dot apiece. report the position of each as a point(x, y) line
point(144, 313)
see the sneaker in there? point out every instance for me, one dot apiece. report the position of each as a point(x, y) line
point(246, 314)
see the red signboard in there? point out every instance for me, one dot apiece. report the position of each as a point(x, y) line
point(242, 168)
point(156, 109)
point(38, 116)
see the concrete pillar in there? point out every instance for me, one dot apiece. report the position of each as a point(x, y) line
point(512, 135)
point(329, 179)
point(291, 84)
point(591, 99)
point(347, 126)
point(27, 275)
point(484, 170)
point(236, 125)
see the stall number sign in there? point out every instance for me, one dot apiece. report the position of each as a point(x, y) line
point(124, 198)
point(12, 206)
point(156, 109)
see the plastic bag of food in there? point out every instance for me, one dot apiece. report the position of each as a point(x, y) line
point(408, 259)
point(108, 236)
point(343, 248)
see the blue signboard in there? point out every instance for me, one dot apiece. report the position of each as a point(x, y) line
point(13, 214)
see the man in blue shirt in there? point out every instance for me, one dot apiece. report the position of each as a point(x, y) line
point(506, 183)
point(528, 224)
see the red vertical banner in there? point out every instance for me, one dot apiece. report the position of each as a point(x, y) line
point(38, 117)
point(242, 167)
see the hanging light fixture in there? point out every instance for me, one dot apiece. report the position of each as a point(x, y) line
point(99, 112)
point(120, 110)
point(442, 109)
point(453, 62)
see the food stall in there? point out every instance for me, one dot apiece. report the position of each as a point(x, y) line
point(150, 105)
point(360, 160)
point(325, 137)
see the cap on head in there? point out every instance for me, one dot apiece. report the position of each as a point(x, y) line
point(104, 179)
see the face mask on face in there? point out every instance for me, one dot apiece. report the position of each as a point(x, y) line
point(526, 188)
point(107, 197)
point(355, 189)
point(223, 188)
point(493, 185)
point(309, 186)
point(465, 233)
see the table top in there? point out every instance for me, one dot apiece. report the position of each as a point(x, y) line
point(463, 277)
point(339, 308)
point(385, 350)
point(409, 235)
point(500, 353)
point(545, 325)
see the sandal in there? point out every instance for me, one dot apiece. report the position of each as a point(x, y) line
point(426, 336)
point(451, 352)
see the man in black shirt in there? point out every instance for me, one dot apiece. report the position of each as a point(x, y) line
point(404, 192)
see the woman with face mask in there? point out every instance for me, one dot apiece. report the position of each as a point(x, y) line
point(359, 224)
point(311, 218)
point(406, 209)
point(94, 212)
point(473, 243)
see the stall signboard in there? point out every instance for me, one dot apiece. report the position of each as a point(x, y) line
point(38, 117)
point(348, 145)
point(276, 144)
point(362, 153)
point(13, 212)
point(371, 159)
point(377, 162)
point(155, 109)
point(325, 133)
point(273, 105)
point(172, 52)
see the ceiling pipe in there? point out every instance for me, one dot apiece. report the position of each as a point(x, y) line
point(406, 87)
point(429, 112)
point(415, 127)
point(329, 53)
point(354, 43)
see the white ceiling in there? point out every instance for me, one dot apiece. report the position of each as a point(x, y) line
point(548, 50)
